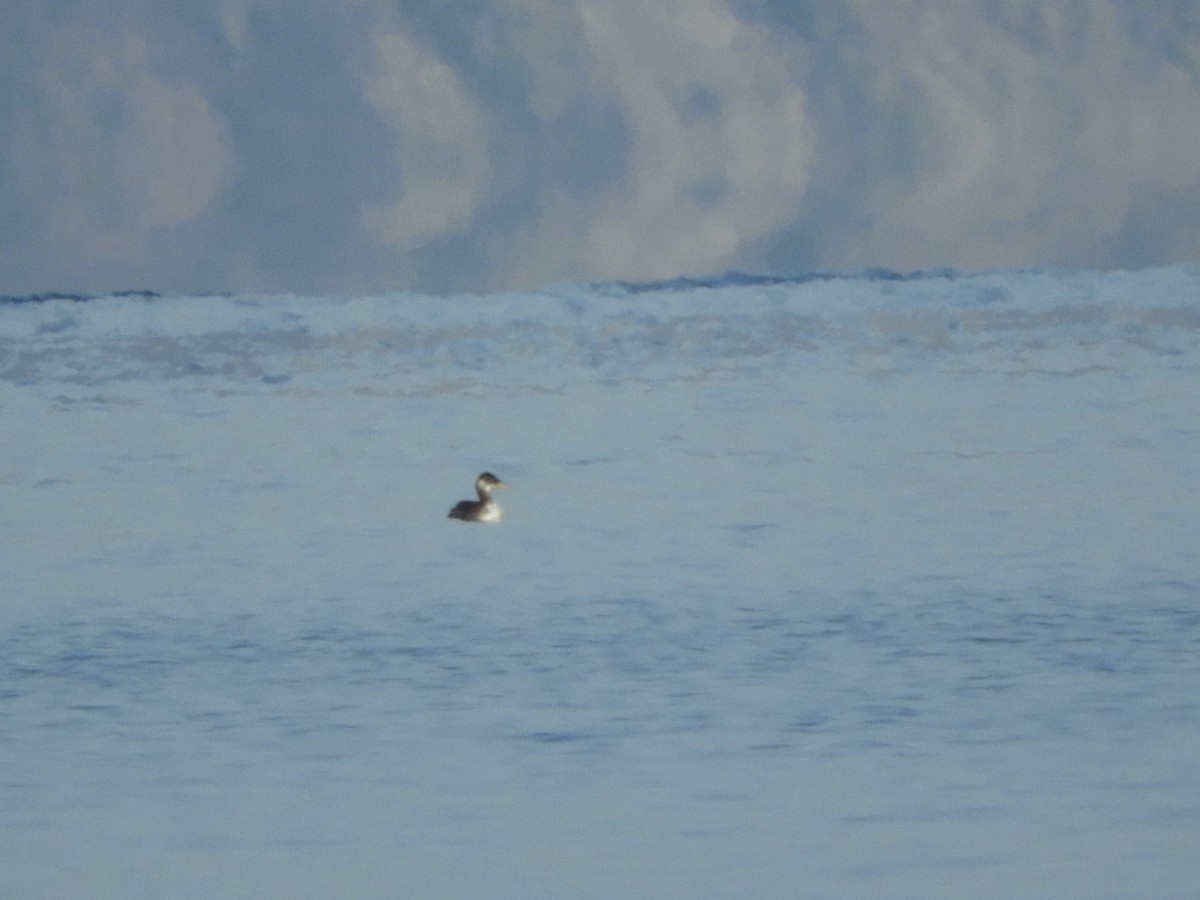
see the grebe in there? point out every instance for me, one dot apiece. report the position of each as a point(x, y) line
point(485, 509)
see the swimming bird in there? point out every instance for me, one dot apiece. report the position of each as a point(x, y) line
point(485, 509)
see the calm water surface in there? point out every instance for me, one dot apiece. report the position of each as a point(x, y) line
point(609, 746)
point(786, 604)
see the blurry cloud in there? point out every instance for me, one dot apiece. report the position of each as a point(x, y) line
point(719, 144)
point(101, 151)
point(997, 134)
point(471, 144)
point(439, 140)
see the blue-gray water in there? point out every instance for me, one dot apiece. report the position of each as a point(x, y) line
point(852, 587)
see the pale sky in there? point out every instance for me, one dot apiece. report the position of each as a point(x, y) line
point(268, 146)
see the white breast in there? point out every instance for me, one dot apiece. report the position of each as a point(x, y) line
point(490, 512)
